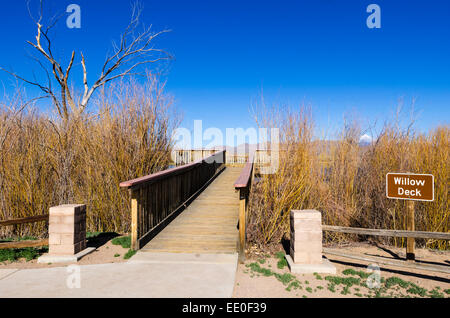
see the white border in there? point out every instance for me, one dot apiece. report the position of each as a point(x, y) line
point(414, 174)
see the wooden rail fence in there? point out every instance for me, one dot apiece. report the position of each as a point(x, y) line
point(157, 198)
point(389, 233)
point(27, 243)
point(243, 185)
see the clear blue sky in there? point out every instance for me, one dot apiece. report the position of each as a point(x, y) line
point(315, 52)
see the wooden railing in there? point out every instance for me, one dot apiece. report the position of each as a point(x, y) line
point(27, 243)
point(262, 159)
point(185, 156)
point(243, 185)
point(157, 198)
point(236, 159)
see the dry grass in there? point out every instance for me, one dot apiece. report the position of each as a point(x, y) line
point(46, 160)
point(347, 181)
point(275, 195)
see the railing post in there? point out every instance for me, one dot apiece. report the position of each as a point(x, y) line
point(243, 184)
point(134, 219)
point(242, 218)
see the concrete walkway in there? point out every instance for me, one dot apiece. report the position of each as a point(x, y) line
point(145, 275)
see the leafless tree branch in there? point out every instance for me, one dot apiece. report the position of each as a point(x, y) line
point(135, 50)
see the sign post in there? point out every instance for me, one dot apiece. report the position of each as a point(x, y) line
point(410, 241)
point(411, 187)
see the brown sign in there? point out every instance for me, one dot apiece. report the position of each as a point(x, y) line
point(409, 186)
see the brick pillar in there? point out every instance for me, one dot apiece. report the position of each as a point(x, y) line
point(306, 237)
point(67, 229)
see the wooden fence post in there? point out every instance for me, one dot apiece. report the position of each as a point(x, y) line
point(410, 241)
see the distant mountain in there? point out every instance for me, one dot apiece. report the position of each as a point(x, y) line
point(365, 140)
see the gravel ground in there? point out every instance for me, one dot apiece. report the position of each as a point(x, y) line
point(260, 277)
point(105, 252)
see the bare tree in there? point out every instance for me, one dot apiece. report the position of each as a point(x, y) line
point(129, 56)
point(134, 50)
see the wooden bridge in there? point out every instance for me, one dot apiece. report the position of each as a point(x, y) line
point(198, 207)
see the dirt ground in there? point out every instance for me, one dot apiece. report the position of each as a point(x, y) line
point(105, 252)
point(256, 278)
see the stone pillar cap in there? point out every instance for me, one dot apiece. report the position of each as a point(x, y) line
point(67, 206)
point(68, 209)
point(297, 214)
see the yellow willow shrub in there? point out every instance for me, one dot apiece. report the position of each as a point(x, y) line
point(389, 153)
point(431, 154)
point(26, 177)
point(130, 138)
point(335, 175)
point(342, 164)
point(346, 180)
point(404, 151)
point(46, 160)
point(273, 196)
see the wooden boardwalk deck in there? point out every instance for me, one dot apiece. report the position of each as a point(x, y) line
point(209, 223)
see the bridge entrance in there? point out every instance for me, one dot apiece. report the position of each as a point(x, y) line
point(199, 207)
